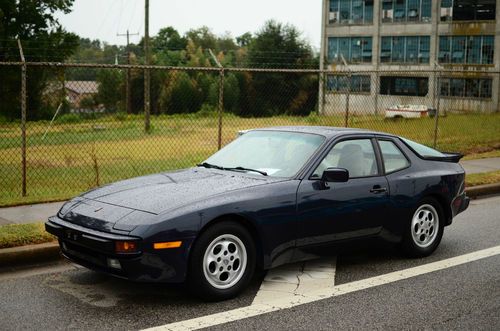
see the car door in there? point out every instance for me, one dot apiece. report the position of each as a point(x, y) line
point(336, 211)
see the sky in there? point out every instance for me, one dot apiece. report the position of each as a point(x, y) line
point(104, 19)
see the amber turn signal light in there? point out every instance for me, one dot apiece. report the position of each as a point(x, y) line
point(166, 245)
point(125, 246)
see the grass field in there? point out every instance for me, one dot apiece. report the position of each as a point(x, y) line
point(14, 235)
point(73, 158)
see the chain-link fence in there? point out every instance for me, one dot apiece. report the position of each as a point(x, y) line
point(67, 128)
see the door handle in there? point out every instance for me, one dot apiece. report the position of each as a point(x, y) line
point(378, 189)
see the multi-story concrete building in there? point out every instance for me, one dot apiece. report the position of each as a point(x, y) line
point(394, 51)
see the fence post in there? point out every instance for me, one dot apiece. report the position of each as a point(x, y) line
point(377, 88)
point(221, 108)
point(348, 97)
point(497, 108)
point(436, 116)
point(147, 72)
point(23, 117)
point(321, 94)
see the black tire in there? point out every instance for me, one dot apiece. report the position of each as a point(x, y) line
point(415, 245)
point(200, 279)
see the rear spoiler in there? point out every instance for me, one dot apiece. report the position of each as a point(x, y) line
point(448, 157)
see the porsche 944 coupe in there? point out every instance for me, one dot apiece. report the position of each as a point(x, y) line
point(259, 202)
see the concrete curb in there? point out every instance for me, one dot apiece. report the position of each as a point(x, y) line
point(23, 255)
point(476, 191)
point(50, 251)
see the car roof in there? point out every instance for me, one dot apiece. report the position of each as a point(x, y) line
point(327, 131)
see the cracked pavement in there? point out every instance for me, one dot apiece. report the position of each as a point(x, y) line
point(297, 279)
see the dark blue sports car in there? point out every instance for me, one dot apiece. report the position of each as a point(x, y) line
point(261, 201)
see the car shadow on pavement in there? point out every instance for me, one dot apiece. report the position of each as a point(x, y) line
point(168, 302)
point(372, 257)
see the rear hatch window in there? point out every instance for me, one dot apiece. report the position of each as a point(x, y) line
point(428, 153)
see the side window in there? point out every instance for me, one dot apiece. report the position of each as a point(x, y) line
point(357, 156)
point(394, 159)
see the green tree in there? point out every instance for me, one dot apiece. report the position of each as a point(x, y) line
point(202, 37)
point(94, 51)
point(43, 39)
point(244, 40)
point(279, 46)
point(111, 91)
point(180, 94)
point(169, 39)
point(231, 93)
point(225, 43)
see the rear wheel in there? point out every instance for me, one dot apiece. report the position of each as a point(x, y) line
point(222, 262)
point(424, 230)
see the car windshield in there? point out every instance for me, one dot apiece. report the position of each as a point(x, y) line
point(272, 153)
point(422, 150)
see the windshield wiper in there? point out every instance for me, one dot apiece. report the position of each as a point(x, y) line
point(213, 166)
point(210, 166)
point(248, 169)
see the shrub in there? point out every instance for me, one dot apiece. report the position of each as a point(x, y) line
point(207, 110)
point(121, 116)
point(3, 119)
point(69, 118)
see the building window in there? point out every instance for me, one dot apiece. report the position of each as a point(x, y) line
point(466, 87)
point(351, 12)
point(466, 49)
point(405, 49)
point(411, 86)
point(466, 10)
point(406, 10)
point(487, 49)
point(354, 49)
point(340, 83)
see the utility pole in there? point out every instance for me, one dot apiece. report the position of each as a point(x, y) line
point(129, 75)
point(147, 73)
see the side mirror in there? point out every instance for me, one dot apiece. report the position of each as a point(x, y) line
point(338, 175)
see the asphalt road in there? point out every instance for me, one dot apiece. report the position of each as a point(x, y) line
point(466, 296)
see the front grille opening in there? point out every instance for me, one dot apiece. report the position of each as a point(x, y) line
point(83, 253)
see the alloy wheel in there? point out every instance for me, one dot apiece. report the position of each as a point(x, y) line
point(425, 225)
point(225, 261)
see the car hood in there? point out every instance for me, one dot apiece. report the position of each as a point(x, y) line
point(159, 193)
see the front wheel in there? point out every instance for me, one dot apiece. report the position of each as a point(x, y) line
point(424, 230)
point(222, 262)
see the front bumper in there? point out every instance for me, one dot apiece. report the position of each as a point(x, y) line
point(96, 250)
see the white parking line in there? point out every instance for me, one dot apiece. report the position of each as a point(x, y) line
point(289, 302)
point(297, 279)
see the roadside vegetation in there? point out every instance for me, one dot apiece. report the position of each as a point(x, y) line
point(14, 235)
point(483, 155)
point(482, 178)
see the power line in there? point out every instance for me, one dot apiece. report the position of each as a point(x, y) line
point(119, 16)
point(132, 16)
point(112, 3)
